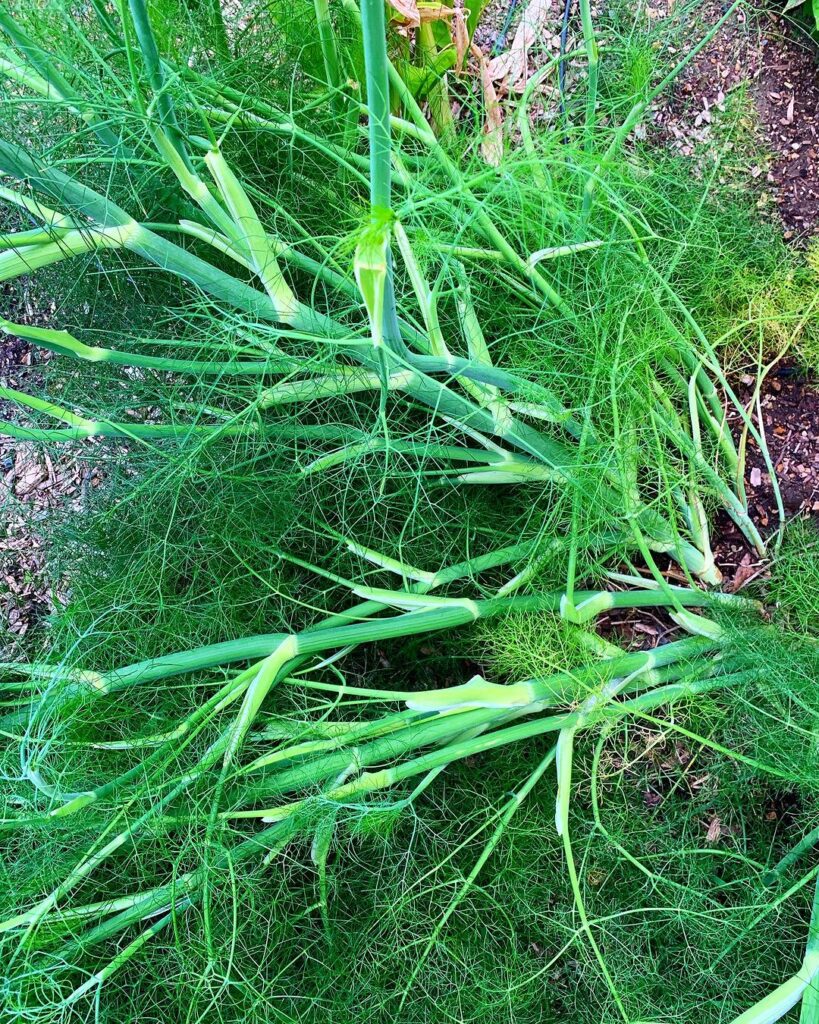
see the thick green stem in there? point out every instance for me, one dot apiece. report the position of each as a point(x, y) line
point(370, 782)
point(156, 76)
point(637, 112)
point(593, 62)
point(329, 53)
point(58, 86)
point(374, 30)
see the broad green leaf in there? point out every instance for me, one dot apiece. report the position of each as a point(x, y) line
point(420, 80)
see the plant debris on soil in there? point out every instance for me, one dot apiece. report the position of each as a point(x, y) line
point(684, 118)
point(790, 419)
point(34, 483)
point(769, 55)
point(787, 98)
point(777, 62)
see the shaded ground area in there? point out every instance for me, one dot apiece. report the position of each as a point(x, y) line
point(777, 63)
point(684, 119)
point(34, 482)
point(789, 413)
point(770, 57)
point(789, 401)
point(787, 98)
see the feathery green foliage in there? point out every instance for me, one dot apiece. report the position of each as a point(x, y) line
point(377, 428)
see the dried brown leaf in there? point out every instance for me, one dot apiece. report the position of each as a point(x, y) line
point(492, 142)
point(30, 476)
point(460, 35)
point(512, 67)
point(408, 11)
point(434, 12)
point(714, 831)
point(743, 574)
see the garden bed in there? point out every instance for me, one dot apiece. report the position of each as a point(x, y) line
point(388, 637)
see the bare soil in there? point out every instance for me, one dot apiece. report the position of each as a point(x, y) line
point(35, 482)
point(776, 62)
point(787, 99)
point(789, 401)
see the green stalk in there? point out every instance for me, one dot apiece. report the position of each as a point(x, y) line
point(438, 93)
point(593, 65)
point(156, 76)
point(288, 253)
point(482, 219)
point(184, 890)
point(329, 53)
point(339, 633)
point(27, 260)
point(636, 113)
point(478, 705)
point(258, 646)
point(803, 984)
point(423, 388)
point(809, 1013)
point(215, 282)
point(167, 752)
point(64, 343)
point(50, 218)
point(34, 236)
point(370, 782)
point(374, 32)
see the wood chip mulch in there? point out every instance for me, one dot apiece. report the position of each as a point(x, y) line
point(34, 482)
point(683, 120)
point(789, 403)
point(787, 99)
point(779, 63)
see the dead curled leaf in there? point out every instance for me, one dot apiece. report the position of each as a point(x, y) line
point(789, 111)
point(714, 832)
point(746, 571)
point(435, 12)
point(408, 10)
point(29, 477)
point(411, 13)
point(492, 142)
point(460, 34)
point(512, 67)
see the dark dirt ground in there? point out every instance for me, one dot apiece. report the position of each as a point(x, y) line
point(787, 99)
point(775, 62)
point(789, 400)
point(34, 484)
